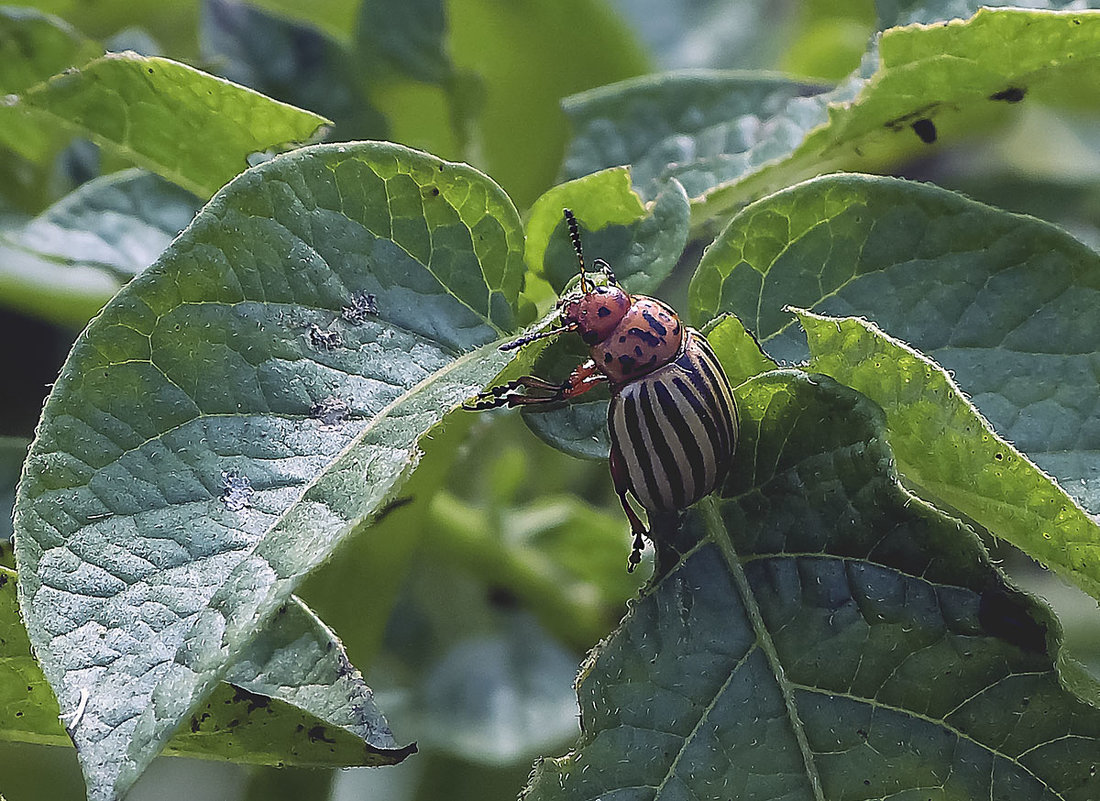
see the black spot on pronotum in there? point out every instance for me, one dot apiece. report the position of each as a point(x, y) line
point(1013, 94)
point(1006, 616)
point(925, 129)
point(603, 311)
point(654, 323)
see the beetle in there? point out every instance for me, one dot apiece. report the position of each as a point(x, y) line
point(672, 417)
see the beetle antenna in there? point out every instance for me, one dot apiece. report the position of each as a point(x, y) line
point(523, 340)
point(575, 235)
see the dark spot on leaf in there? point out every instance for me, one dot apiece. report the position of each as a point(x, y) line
point(1007, 617)
point(1013, 94)
point(254, 700)
point(324, 339)
point(998, 456)
point(237, 491)
point(194, 724)
point(318, 733)
point(925, 129)
point(363, 305)
point(19, 714)
point(866, 782)
point(299, 727)
point(331, 411)
point(3, 579)
point(502, 597)
point(233, 724)
point(150, 70)
point(435, 191)
point(441, 168)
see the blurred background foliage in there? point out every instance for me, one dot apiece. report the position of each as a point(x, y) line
point(482, 680)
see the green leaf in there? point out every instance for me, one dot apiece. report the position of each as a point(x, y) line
point(924, 84)
point(824, 635)
point(34, 46)
point(408, 36)
point(737, 349)
point(668, 126)
point(893, 13)
point(641, 242)
point(946, 447)
point(290, 62)
point(1009, 305)
point(66, 263)
point(237, 410)
point(196, 130)
point(252, 720)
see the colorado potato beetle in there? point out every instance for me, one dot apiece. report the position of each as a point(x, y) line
point(672, 417)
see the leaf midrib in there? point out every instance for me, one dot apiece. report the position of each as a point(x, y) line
point(712, 521)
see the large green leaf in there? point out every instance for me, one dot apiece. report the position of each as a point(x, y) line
point(237, 410)
point(730, 139)
point(1008, 304)
point(67, 262)
point(945, 447)
point(291, 699)
point(907, 12)
point(664, 126)
point(190, 127)
point(819, 633)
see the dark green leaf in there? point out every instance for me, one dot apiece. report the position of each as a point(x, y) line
point(67, 262)
point(237, 410)
point(1007, 304)
point(668, 126)
point(296, 662)
point(290, 62)
point(190, 127)
point(406, 35)
point(945, 447)
point(826, 635)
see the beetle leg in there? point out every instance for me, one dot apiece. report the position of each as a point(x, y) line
point(529, 390)
point(637, 528)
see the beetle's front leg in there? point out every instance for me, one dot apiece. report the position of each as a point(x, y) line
point(529, 390)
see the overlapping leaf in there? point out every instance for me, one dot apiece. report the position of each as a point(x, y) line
point(71, 259)
point(824, 634)
point(1009, 305)
point(190, 127)
point(732, 138)
point(236, 411)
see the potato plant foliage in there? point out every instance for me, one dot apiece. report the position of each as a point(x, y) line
point(253, 524)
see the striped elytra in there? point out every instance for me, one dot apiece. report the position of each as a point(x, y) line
point(672, 417)
point(674, 430)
